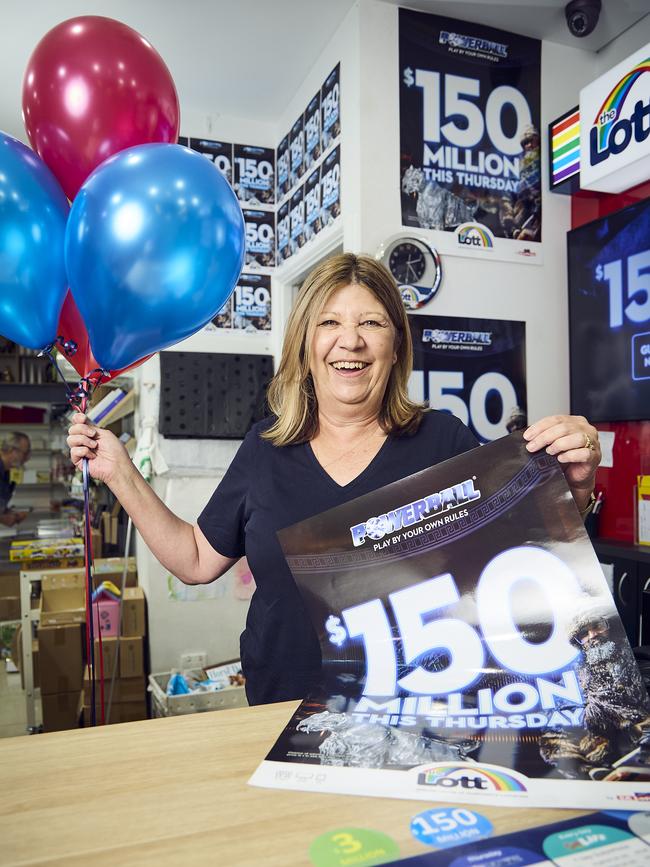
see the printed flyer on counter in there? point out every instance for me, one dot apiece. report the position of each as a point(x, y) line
point(472, 651)
point(611, 839)
point(470, 137)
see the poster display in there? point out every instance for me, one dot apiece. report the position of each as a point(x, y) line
point(313, 222)
point(223, 319)
point(260, 238)
point(297, 221)
point(330, 174)
point(312, 132)
point(282, 163)
point(472, 368)
point(218, 152)
point(252, 303)
point(283, 234)
point(297, 151)
point(472, 652)
point(470, 137)
point(330, 101)
point(254, 174)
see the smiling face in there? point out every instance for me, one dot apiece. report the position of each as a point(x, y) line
point(352, 352)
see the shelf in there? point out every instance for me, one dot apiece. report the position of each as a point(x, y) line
point(22, 392)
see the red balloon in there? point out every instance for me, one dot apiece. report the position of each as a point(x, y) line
point(92, 87)
point(71, 328)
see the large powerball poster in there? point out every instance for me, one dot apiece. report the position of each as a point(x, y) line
point(471, 648)
point(470, 137)
point(473, 368)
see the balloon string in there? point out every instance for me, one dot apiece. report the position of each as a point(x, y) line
point(78, 398)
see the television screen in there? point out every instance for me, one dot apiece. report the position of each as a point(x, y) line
point(609, 316)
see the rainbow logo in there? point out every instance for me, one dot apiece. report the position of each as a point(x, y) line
point(475, 235)
point(469, 776)
point(610, 110)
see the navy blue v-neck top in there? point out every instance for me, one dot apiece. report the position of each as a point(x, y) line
point(267, 488)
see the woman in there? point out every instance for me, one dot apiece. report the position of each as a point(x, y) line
point(342, 426)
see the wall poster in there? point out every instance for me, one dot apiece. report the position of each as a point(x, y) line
point(282, 163)
point(252, 303)
point(254, 174)
point(297, 221)
point(283, 234)
point(297, 151)
point(472, 368)
point(330, 101)
point(472, 652)
point(312, 132)
point(470, 137)
point(313, 221)
point(330, 185)
point(218, 152)
point(260, 238)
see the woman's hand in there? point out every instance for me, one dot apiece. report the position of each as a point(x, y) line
point(107, 457)
point(575, 444)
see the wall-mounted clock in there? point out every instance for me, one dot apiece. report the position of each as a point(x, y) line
point(415, 265)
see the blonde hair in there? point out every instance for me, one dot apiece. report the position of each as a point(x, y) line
point(291, 397)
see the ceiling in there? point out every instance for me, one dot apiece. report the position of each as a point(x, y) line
point(246, 58)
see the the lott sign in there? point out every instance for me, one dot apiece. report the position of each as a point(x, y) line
point(615, 126)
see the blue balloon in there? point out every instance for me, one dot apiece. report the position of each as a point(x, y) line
point(153, 248)
point(33, 214)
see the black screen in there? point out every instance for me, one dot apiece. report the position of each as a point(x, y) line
point(609, 316)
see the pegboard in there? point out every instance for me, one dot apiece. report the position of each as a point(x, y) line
point(210, 395)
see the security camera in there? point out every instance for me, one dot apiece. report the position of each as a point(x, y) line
point(582, 16)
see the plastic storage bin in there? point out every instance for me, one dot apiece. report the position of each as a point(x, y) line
point(173, 705)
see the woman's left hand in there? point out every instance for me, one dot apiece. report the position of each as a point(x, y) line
point(575, 444)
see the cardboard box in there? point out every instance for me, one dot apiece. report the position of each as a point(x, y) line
point(61, 711)
point(128, 711)
point(62, 598)
point(60, 658)
point(111, 568)
point(124, 689)
point(133, 612)
point(131, 657)
point(131, 662)
point(9, 584)
point(9, 608)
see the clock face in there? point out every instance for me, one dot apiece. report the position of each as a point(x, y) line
point(407, 263)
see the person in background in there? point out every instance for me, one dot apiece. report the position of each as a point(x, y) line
point(342, 425)
point(14, 453)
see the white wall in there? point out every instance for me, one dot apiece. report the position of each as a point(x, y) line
point(535, 294)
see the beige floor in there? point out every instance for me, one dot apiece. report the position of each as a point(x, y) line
point(13, 716)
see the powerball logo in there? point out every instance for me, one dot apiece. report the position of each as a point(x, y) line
point(475, 235)
point(610, 133)
point(475, 777)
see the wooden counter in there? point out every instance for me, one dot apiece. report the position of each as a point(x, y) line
point(174, 792)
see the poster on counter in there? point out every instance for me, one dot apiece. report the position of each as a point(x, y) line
point(218, 152)
point(312, 132)
point(297, 151)
point(472, 368)
point(252, 303)
point(254, 174)
point(330, 101)
point(472, 652)
point(313, 223)
point(282, 164)
point(470, 140)
point(330, 188)
point(260, 238)
point(297, 221)
point(283, 234)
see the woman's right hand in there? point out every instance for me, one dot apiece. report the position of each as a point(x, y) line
point(107, 457)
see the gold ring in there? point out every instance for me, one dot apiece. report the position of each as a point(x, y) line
point(588, 443)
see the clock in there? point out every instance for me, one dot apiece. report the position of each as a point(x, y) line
point(415, 265)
